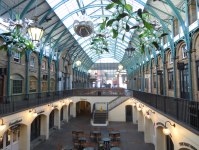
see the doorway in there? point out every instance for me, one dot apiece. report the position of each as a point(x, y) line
point(129, 113)
point(184, 83)
point(62, 114)
point(35, 128)
point(1, 88)
point(169, 142)
point(51, 119)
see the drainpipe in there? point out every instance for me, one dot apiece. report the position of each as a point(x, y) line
point(156, 79)
point(27, 72)
point(164, 83)
point(9, 54)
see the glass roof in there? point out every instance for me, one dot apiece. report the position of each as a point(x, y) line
point(116, 46)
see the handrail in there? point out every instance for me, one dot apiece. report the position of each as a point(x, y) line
point(184, 111)
point(92, 114)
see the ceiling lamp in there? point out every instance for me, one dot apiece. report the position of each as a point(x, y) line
point(78, 62)
point(89, 71)
point(129, 50)
point(84, 26)
point(120, 67)
point(35, 31)
point(117, 72)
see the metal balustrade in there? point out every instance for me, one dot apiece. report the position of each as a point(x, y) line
point(185, 111)
point(15, 103)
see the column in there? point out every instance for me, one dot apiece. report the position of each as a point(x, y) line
point(9, 54)
point(27, 73)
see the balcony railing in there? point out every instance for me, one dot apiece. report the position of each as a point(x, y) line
point(99, 92)
point(184, 111)
point(16, 103)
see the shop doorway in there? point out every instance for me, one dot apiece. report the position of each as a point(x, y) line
point(83, 108)
point(169, 143)
point(35, 128)
point(129, 113)
point(184, 83)
point(51, 119)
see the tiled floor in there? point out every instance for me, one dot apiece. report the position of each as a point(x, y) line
point(131, 139)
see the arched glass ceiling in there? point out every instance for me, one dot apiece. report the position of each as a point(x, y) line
point(116, 46)
point(107, 60)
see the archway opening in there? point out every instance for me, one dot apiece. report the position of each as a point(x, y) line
point(149, 132)
point(129, 113)
point(83, 108)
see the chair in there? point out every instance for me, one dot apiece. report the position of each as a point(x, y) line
point(80, 134)
point(80, 128)
point(92, 129)
point(111, 136)
point(110, 129)
point(82, 142)
point(74, 134)
point(87, 136)
point(86, 144)
point(92, 136)
point(93, 145)
point(117, 136)
point(98, 129)
point(101, 145)
point(115, 129)
point(114, 144)
point(76, 143)
point(98, 136)
point(59, 146)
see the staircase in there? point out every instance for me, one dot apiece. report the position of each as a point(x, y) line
point(99, 117)
point(116, 102)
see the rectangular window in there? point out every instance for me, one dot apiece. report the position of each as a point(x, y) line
point(154, 80)
point(170, 77)
point(33, 86)
point(32, 61)
point(52, 86)
point(43, 86)
point(43, 65)
point(171, 59)
point(146, 82)
point(17, 57)
point(17, 87)
point(52, 67)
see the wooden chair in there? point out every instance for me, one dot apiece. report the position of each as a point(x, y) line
point(101, 145)
point(87, 136)
point(80, 128)
point(92, 129)
point(98, 129)
point(59, 146)
point(115, 129)
point(86, 144)
point(76, 143)
point(92, 136)
point(93, 145)
point(110, 129)
point(114, 144)
point(117, 136)
point(111, 136)
point(80, 134)
point(74, 134)
point(82, 142)
point(98, 136)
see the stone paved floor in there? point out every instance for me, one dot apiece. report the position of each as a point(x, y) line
point(131, 139)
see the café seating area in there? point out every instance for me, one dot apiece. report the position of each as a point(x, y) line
point(93, 140)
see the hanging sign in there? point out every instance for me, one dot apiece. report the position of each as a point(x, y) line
point(15, 122)
point(14, 127)
point(147, 76)
point(40, 112)
point(187, 145)
point(160, 123)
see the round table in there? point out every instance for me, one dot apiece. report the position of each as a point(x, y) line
point(106, 141)
point(96, 132)
point(88, 148)
point(115, 148)
point(114, 132)
point(79, 131)
point(68, 147)
point(81, 138)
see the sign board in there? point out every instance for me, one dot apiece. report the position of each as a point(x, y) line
point(147, 76)
point(31, 70)
point(14, 127)
point(159, 72)
point(15, 122)
point(3, 71)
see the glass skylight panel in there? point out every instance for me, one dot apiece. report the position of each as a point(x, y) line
point(52, 3)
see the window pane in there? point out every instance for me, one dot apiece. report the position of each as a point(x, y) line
point(17, 86)
point(43, 86)
point(43, 65)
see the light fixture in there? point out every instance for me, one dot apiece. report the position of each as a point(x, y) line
point(148, 114)
point(134, 103)
point(130, 101)
point(89, 71)
point(78, 62)
point(71, 100)
point(2, 125)
point(34, 113)
point(139, 108)
point(129, 50)
point(52, 107)
point(116, 76)
point(166, 130)
point(120, 67)
point(63, 103)
point(117, 72)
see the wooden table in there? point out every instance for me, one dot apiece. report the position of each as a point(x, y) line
point(68, 147)
point(88, 148)
point(115, 148)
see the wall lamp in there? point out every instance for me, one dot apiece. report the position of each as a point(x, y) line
point(34, 113)
point(139, 108)
point(166, 130)
point(63, 103)
point(2, 125)
point(130, 101)
point(148, 114)
point(134, 103)
point(52, 107)
point(71, 100)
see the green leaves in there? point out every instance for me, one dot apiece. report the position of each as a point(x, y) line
point(147, 25)
point(123, 37)
point(117, 2)
point(142, 49)
point(106, 49)
point(103, 25)
point(115, 33)
point(121, 16)
point(164, 34)
point(110, 6)
point(110, 22)
point(128, 7)
point(156, 45)
point(127, 28)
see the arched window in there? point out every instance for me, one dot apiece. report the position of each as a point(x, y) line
point(43, 85)
point(170, 58)
point(184, 51)
point(16, 84)
point(52, 85)
point(32, 84)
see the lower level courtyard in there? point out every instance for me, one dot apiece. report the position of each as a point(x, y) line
point(130, 138)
